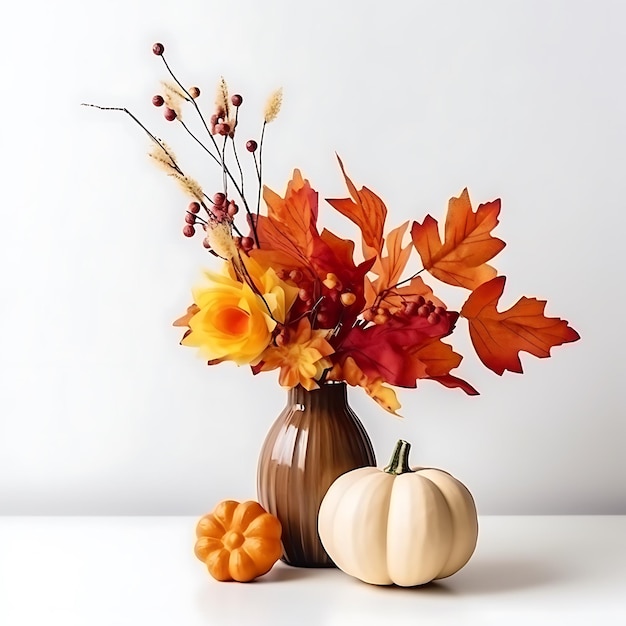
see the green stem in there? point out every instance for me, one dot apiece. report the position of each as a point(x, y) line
point(399, 463)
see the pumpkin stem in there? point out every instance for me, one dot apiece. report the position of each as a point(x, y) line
point(399, 463)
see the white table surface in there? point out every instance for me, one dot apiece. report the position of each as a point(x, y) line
point(118, 571)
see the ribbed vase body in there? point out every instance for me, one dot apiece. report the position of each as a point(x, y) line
point(315, 439)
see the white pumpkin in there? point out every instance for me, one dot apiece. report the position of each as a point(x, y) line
point(399, 525)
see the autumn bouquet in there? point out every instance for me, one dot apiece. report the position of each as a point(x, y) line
point(287, 297)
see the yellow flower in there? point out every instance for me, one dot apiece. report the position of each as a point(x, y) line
point(232, 320)
point(302, 360)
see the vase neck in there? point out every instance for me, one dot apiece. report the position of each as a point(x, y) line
point(328, 394)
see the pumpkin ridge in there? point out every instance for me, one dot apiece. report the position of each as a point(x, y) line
point(416, 527)
point(265, 526)
point(223, 513)
point(246, 513)
point(241, 565)
point(451, 516)
point(360, 501)
point(208, 526)
point(218, 564)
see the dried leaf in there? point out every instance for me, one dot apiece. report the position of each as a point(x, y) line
point(387, 350)
point(389, 268)
point(499, 337)
point(461, 259)
point(367, 211)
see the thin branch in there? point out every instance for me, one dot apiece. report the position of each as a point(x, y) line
point(153, 137)
point(235, 151)
point(200, 143)
point(260, 169)
point(159, 143)
point(224, 177)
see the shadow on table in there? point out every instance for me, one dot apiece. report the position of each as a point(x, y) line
point(489, 577)
point(284, 574)
point(500, 575)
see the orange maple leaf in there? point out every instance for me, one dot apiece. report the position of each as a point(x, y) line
point(366, 210)
point(461, 259)
point(389, 268)
point(289, 229)
point(499, 337)
point(437, 359)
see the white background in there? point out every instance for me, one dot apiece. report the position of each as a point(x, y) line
point(102, 412)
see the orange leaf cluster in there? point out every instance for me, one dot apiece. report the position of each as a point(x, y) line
point(368, 324)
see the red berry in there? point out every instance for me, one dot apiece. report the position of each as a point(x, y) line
point(323, 318)
point(169, 114)
point(334, 294)
point(232, 209)
point(348, 298)
point(194, 92)
point(368, 315)
point(247, 243)
point(157, 100)
point(251, 145)
point(158, 49)
point(433, 318)
point(236, 100)
point(295, 275)
point(424, 310)
point(304, 294)
point(214, 119)
point(410, 308)
point(189, 230)
point(222, 129)
point(190, 218)
point(194, 207)
point(206, 244)
point(439, 310)
point(219, 198)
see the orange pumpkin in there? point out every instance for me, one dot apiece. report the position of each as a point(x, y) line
point(238, 541)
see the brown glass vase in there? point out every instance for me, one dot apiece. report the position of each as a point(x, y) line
point(315, 439)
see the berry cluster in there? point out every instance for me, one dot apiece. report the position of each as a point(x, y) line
point(168, 113)
point(324, 303)
point(191, 219)
point(412, 306)
point(220, 210)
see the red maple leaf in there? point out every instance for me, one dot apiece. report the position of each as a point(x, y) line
point(387, 350)
point(498, 337)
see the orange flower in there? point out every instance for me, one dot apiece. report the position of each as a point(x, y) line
point(302, 360)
